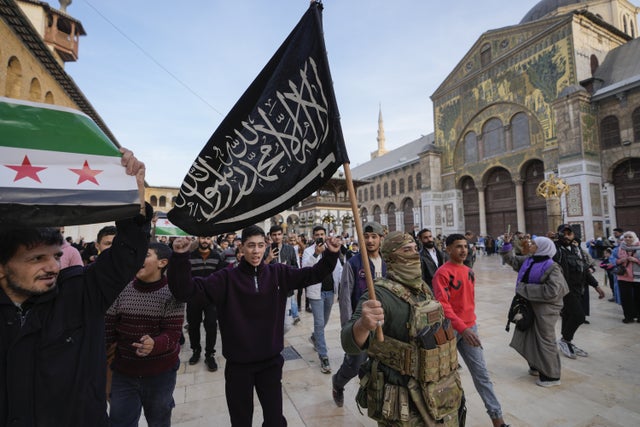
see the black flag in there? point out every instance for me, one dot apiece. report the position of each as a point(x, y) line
point(278, 144)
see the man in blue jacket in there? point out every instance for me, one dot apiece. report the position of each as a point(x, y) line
point(52, 349)
point(251, 300)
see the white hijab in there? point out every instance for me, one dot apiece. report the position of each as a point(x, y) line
point(545, 247)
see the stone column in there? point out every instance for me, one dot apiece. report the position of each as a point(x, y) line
point(554, 213)
point(522, 226)
point(482, 214)
point(400, 221)
point(611, 198)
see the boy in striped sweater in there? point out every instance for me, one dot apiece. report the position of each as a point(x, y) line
point(145, 323)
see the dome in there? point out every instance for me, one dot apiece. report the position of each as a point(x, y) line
point(544, 7)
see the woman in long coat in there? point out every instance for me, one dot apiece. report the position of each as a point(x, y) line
point(540, 280)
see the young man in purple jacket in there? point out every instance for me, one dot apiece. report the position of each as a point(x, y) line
point(251, 301)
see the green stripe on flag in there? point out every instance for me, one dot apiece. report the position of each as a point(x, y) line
point(47, 127)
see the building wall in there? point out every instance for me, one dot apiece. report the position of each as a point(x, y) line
point(29, 69)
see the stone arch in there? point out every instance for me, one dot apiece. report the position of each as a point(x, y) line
point(470, 203)
point(13, 85)
point(35, 90)
point(390, 210)
point(364, 213)
point(377, 213)
point(48, 98)
point(535, 207)
point(153, 201)
point(500, 201)
point(407, 209)
point(162, 201)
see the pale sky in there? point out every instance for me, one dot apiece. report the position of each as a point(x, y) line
point(138, 56)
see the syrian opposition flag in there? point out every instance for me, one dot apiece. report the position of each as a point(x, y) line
point(58, 168)
point(164, 227)
point(279, 143)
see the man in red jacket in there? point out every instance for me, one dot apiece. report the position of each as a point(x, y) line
point(251, 300)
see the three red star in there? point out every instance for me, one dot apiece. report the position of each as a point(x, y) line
point(25, 170)
point(86, 173)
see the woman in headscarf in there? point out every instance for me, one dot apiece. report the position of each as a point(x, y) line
point(540, 280)
point(629, 282)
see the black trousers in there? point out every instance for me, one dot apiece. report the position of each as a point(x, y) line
point(194, 319)
point(266, 378)
point(572, 314)
point(629, 298)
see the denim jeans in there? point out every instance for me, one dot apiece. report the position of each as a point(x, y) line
point(321, 309)
point(154, 394)
point(474, 359)
point(294, 307)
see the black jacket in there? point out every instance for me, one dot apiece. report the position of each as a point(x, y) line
point(53, 366)
point(429, 267)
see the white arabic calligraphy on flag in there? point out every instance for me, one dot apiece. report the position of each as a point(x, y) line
point(278, 144)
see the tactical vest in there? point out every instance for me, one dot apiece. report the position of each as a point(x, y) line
point(433, 386)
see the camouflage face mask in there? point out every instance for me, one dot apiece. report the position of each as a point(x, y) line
point(402, 267)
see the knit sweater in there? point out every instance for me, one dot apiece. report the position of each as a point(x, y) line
point(145, 309)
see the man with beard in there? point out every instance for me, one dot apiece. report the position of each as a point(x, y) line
point(430, 257)
point(352, 285)
point(575, 265)
point(204, 261)
point(52, 350)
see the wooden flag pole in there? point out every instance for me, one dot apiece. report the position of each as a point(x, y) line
point(363, 250)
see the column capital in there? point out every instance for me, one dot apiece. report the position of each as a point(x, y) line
point(518, 181)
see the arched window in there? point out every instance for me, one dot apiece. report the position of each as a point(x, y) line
point(378, 192)
point(470, 148)
point(393, 187)
point(35, 91)
point(386, 189)
point(410, 183)
point(371, 192)
point(520, 131)
point(48, 98)
point(153, 201)
point(635, 118)
point(609, 132)
point(401, 185)
point(493, 138)
point(593, 61)
point(624, 23)
point(13, 87)
point(163, 201)
point(418, 181)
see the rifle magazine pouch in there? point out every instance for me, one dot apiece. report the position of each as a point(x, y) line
point(390, 402)
point(443, 397)
point(403, 403)
point(375, 393)
point(361, 395)
point(429, 365)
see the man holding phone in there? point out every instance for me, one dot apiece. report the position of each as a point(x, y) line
point(284, 254)
point(321, 296)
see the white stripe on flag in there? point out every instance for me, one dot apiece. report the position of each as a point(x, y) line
point(58, 173)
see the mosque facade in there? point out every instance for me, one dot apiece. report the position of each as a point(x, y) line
point(554, 96)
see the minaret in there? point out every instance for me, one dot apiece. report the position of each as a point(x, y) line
point(381, 148)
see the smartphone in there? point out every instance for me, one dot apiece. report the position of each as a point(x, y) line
point(319, 241)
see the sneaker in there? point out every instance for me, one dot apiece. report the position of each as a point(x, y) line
point(325, 368)
point(312, 340)
point(567, 349)
point(210, 361)
point(578, 351)
point(552, 383)
point(296, 320)
point(338, 394)
point(533, 372)
point(195, 357)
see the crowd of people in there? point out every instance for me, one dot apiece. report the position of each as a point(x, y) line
point(109, 316)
